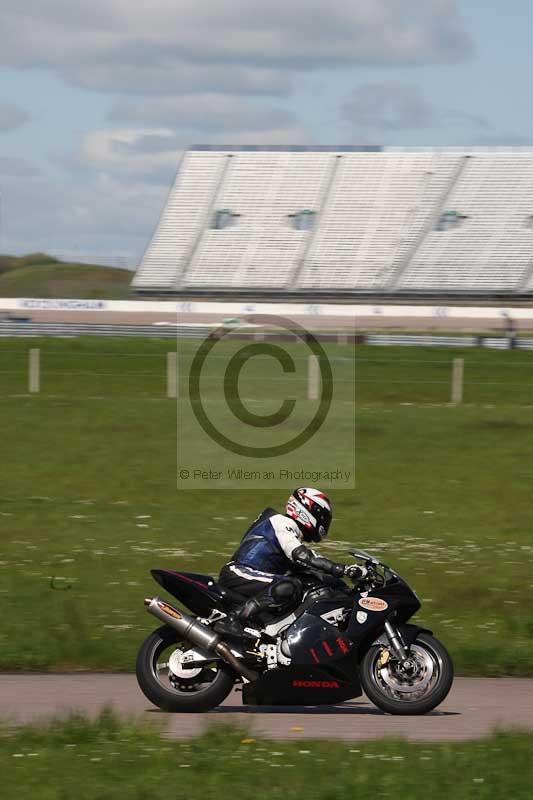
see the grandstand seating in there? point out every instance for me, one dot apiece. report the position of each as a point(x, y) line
point(377, 204)
point(493, 247)
point(263, 189)
point(182, 220)
point(345, 221)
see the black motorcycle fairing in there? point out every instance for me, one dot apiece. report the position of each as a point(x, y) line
point(312, 640)
point(398, 598)
point(404, 600)
point(300, 685)
point(199, 593)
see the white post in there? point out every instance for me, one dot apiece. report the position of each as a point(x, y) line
point(172, 375)
point(457, 380)
point(34, 371)
point(313, 378)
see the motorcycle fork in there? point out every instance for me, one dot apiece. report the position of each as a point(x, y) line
point(396, 642)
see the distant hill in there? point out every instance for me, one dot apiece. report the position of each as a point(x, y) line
point(40, 275)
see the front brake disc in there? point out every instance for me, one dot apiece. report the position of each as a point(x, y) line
point(404, 684)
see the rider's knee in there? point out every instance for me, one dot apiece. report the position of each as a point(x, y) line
point(287, 591)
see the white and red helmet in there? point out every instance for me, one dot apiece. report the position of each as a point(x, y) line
point(311, 510)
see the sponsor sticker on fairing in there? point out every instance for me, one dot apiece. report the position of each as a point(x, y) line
point(170, 610)
point(373, 603)
point(361, 617)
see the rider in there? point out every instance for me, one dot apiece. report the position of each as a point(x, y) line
point(268, 548)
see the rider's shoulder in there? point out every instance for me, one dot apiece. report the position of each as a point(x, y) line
point(267, 514)
point(283, 524)
point(261, 519)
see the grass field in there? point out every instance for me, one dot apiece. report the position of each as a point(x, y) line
point(108, 759)
point(88, 498)
point(39, 275)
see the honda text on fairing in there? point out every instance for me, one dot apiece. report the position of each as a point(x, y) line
point(338, 642)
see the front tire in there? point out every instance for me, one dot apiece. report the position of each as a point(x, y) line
point(202, 692)
point(397, 692)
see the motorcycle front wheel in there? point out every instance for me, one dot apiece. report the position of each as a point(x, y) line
point(413, 688)
point(182, 690)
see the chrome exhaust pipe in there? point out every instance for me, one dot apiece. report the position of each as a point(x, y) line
point(188, 627)
point(195, 632)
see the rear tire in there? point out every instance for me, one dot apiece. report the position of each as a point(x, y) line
point(390, 693)
point(152, 684)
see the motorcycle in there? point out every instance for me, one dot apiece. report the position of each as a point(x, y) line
point(339, 642)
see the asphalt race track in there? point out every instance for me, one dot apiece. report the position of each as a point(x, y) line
point(359, 323)
point(474, 707)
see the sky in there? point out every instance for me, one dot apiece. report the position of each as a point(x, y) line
point(98, 101)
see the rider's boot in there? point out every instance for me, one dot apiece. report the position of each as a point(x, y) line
point(237, 620)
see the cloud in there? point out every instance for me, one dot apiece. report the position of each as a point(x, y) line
point(99, 217)
point(113, 191)
point(392, 106)
point(387, 106)
point(153, 154)
point(202, 112)
point(284, 135)
point(165, 76)
point(223, 45)
point(12, 116)
point(180, 73)
point(132, 153)
point(18, 167)
point(502, 138)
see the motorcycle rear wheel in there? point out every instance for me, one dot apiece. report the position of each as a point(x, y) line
point(398, 692)
point(205, 690)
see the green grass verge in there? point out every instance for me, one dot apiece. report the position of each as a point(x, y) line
point(39, 275)
point(107, 759)
point(88, 497)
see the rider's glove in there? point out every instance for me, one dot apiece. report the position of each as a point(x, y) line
point(355, 572)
